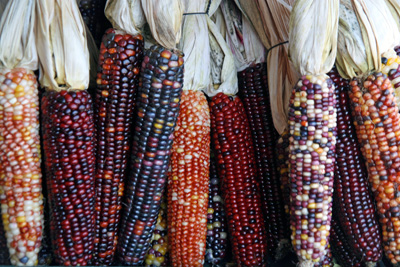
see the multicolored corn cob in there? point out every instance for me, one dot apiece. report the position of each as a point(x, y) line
point(69, 148)
point(353, 202)
point(282, 150)
point(117, 82)
point(237, 170)
point(188, 181)
point(253, 90)
point(377, 120)
point(20, 173)
point(158, 99)
point(391, 68)
point(217, 231)
point(312, 127)
point(158, 254)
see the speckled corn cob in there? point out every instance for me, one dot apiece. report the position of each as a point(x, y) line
point(391, 68)
point(188, 182)
point(312, 122)
point(20, 173)
point(157, 108)
point(377, 120)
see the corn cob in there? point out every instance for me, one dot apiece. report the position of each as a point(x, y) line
point(157, 107)
point(352, 197)
point(238, 174)
point(328, 260)
point(68, 139)
point(158, 252)
point(378, 129)
point(217, 235)
point(88, 9)
point(188, 181)
point(391, 68)
point(4, 255)
point(254, 94)
point(282, 150)
point(20, 184)
point(117, 80)
point(312, 122)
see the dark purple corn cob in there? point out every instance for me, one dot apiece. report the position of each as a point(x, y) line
point(217, 232)
point(157, 108)
point(253, 91)
point(117, 81)
point(353, 202)
point(69, 140)
point(93, 15)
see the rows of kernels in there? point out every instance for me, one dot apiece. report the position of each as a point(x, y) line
point(237, 170)
point(188, 182)
point(20, 173)
point(158, 254)
point(342, 250)
point(88, 10)
point(377, 120)
point(328, 259)
point(312, 127)
point(157, 106)
point(391, 68)
point(217, 235)
point(117, 81)
point(69, 149)
point(282, 152)
point(253, 90)
point(352, 200)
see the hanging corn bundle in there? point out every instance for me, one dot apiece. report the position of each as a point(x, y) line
point(249, 54)
point(20, 173)
point(157, 109)
point(68, 130)
point(375, 112)
point(190, 159)
point(234, 153)
point(312, 127)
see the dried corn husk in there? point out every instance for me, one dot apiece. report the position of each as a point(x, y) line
point(394, 7)
point(366, 31)
point(3, 4)
point(195, 45)
point(165, 19)
point(313, 36)
point(62, 45)
point(17, 39)
point(223, 70)
point(126, 15)
point(243, 41)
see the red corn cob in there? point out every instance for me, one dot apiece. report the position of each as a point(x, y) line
point(253, 92)
point(217, 235)
point(117, 80)
point(68, 139)
point(238, 173)
point(157, 107)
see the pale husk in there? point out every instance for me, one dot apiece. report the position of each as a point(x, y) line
point(242, 39)
point(165, 19)
point(223, 70)
point(367, 29)
point(62, 46)
point(313, 36)
point(394, 7)
point(125, 15)
point(17, 36)
point(196, 47)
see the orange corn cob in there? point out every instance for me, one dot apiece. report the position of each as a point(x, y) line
point(188, 182)
point(20, 173)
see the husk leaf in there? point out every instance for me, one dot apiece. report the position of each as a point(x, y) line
point(313, 35)
point(242, 39)
point(62, 45)
point(165, 19)
point(17, 36)
point(195, 45)
point(394, 7)
point(125, 15)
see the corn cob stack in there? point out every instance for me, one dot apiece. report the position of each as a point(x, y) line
point(353, 202)
point(4, 255)
point(282, 150)
point(20, 187)
point(117, 81)
point(238, 173)
point(254, 94)
point(188, 181)
point(391, 68)
point(158, 99)
point(217, 235)
point(158, 252)
point(377, 123)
